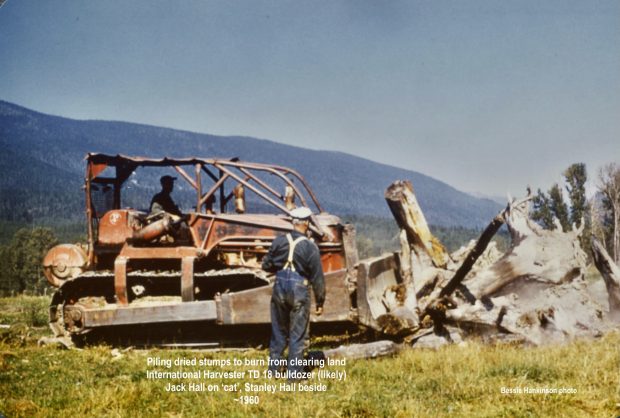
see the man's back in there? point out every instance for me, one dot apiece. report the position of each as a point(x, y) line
point(306, 261)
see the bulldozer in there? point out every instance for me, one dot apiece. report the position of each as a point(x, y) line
point(198, 275)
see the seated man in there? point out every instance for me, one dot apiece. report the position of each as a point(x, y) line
point(178, 230)
point(162, 200)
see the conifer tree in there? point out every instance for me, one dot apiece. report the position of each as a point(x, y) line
point(576, 178)
point(559, 207)
point(550, 205)
point(541, 211)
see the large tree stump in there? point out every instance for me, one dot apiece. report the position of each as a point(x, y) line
point(544, 256)
point(532, 294)
point(420, 251)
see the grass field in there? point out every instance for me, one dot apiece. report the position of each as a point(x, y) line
point(459, 381)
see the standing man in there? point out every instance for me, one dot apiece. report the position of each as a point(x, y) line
point(297, 263)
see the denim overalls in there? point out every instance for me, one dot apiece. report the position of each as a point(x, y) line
point(290, 312)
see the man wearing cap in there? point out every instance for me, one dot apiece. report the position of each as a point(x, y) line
point(162, 200)
point(297, 263)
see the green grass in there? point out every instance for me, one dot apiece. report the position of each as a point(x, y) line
point(27, 310)
point(453, 381)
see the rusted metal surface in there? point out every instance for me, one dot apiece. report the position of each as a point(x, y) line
point(120, 280)
point(246, 307)
point(64, 262)
point(350, 251)
point(337, 301)
point(374, 276)
point(152, 230)
point(149, 313)
point(187, 279)
point(143, 253)
point(251, 306)
point(98, 162)
point(114, 228)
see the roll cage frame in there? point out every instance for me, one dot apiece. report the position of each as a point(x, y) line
point(221, 171)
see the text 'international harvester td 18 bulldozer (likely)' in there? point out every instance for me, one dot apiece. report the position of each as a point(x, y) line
point(200, 272)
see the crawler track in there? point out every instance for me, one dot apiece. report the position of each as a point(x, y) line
point(96, 290)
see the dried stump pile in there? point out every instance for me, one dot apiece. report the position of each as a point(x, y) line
point(535, 293)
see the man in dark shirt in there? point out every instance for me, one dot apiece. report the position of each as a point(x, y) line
point(162, 200)
point(297, 263)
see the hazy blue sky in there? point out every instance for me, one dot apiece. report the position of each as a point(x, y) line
point(487, 96)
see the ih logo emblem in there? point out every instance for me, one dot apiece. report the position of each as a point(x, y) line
point(114, 218)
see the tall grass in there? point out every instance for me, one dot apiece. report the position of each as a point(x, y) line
point(463, 380)
point(28, 310)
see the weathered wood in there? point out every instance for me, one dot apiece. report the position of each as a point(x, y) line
point(502, 315)
point(536, 255)
point(434, 339)
point(486, 236)
point(611, 275)
point(489, 257)
point(62, 342)
point(409, 217)
point(428, 280)
point(398, 322)
point(533, 294)
point(406, 272)
point(438, 295)
point(359, 351)
point(407, 257)
point(420, 251)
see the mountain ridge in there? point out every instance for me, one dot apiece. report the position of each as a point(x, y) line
point(344, 183)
